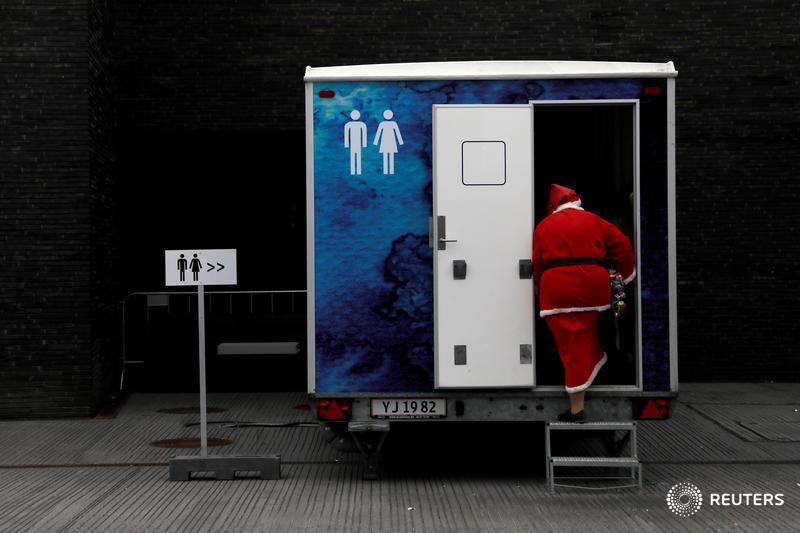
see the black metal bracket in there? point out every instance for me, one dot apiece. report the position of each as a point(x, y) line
point(525, 269)
point(370, 448)
point(459, 269)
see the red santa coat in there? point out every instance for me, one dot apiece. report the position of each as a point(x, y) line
point(571, 296)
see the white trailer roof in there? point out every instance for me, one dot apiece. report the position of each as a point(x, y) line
point(491, 70)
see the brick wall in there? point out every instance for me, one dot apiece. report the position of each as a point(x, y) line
point(239, 66)
point(57, 288)
point(234, 66)
point(44, 220)
point(105, 289)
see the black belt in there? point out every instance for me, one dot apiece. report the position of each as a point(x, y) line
point(571, 261)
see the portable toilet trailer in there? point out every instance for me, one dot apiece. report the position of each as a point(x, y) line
point(424, 184)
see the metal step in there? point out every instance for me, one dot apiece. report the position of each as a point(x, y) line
point(631, 462)
point(595, 461)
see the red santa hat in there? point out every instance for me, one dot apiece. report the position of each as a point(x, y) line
point(560, 195)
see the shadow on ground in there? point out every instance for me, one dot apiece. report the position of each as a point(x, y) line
point(439, 448)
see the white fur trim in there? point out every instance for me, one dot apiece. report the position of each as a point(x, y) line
point(569, 205)
point(597, 367)
point(629, 278)
point(548, 312)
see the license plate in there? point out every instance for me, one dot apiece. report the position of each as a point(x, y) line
point(409, 407)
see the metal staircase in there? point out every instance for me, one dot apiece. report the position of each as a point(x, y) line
point(629, 462)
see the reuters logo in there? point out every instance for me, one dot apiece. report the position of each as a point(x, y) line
point(684, 499)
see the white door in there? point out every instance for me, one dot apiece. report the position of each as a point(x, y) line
point(483, 229)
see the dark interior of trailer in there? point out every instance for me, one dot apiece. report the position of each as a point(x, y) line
point(589, 148)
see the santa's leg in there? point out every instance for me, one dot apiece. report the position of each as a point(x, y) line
point(576, 337)
point(576, 402)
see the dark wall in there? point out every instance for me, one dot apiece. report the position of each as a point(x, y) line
point(79, 77)
point(58, 287)
point(239, 66)
point(213, 189)
point(45, 223)
point(106, 286)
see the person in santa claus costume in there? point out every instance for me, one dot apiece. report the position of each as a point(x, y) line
point(571, 248)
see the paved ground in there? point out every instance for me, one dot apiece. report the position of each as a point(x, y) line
point(103, 474)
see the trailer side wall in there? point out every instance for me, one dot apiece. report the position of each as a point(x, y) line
point(372, 305)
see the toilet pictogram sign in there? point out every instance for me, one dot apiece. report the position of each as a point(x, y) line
point(200, 267)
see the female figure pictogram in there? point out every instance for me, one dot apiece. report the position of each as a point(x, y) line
point(387, 130)
point(194, 266)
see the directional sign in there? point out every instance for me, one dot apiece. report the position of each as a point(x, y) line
point(200, 267)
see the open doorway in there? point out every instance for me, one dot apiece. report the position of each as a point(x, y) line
point(591, 147)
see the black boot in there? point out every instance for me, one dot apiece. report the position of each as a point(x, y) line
point(568, 416)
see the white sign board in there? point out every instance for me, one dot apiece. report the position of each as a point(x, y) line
point(200, 267)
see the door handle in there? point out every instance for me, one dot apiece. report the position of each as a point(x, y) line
point(441, 231)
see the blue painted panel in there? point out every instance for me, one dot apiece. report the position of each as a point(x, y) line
point(373, 267)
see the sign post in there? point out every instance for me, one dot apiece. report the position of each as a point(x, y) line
point(200, 268)
point(201, 343)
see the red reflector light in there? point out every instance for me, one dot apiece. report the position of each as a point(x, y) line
point(334, 409)
point(652, 91)
point(651, 408)
point(326, 93)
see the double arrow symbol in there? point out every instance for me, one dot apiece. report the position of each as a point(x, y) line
point(211, 267)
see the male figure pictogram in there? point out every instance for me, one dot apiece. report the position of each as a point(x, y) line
point(355, 138)
point(182, 267)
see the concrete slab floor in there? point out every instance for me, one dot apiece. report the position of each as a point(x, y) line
point(103, 475)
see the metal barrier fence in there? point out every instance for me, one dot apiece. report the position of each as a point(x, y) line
point(296, 303)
